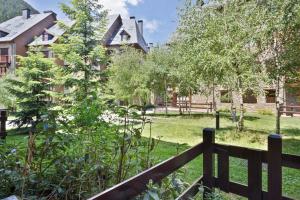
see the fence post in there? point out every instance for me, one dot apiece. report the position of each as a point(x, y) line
point(217, 120)
point(3, 119)
point(254, 176)
point(208, 161)
point(274, 167)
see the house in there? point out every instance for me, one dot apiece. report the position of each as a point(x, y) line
point(125, 31)
point(17, 33)
point(118, 31)
point(21, 32)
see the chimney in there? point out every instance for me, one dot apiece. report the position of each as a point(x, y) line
point(141, 26)
point(132, 17)
point(26, 13)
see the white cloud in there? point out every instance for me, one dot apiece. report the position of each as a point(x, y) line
point(151, 25)
point(119, 6)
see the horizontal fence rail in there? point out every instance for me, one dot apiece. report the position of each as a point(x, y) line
point(273, 157)
point(138, 184)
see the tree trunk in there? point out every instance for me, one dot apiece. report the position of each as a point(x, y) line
point(166, 97)
point(277, 63)
point(214, 98)
point(240, 124)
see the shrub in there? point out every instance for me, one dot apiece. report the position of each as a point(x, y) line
point(265, 112)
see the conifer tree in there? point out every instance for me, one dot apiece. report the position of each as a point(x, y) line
point(81, 47)
point(32, 88)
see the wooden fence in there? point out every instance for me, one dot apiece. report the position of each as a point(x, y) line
point(3, 119)
point(289, 110)
point(187, 106)
point(253, 191)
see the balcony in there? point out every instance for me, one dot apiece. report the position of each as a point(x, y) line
point(4, 64)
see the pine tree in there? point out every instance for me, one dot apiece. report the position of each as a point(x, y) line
point(32, 89)
point(81, 47)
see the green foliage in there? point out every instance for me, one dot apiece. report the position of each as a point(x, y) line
point(32, 88)
point(7, 99)
point(12, 8)
point(130, 76)
point(265, 112)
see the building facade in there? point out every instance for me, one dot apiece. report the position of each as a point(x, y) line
point(17, 33)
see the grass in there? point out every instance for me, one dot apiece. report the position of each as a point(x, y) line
point(187, 131)
point(177, 133)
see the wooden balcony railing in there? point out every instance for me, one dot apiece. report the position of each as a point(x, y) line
point(129, 189)
point(5, 59)
point(3, 70)
point(4, 64)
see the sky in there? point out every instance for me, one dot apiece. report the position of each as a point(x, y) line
point(160, 16)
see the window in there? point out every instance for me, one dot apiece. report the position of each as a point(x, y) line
point(249, 97)
point(225, 96)
point(46, 54)
point(124, 36)
point(47, 36)
point(270, 96)
point(3, 34)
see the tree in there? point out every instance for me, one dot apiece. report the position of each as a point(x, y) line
point(130, 76)
point(32, 89)
point(81, 47)
point(280, 27)
point(218, 48)
point(162, 75)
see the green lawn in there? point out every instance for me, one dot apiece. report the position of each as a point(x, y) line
point(187, 130)
point(178, 133)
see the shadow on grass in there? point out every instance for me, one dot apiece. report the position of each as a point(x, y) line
point(291, 131)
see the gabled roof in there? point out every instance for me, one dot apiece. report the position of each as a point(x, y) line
point(55, 31)
point(18, 25)
point(131, 27)
point(115, 26)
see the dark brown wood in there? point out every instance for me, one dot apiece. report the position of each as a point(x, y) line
point(254, 176)
point(291, 161)
point(274, 157)
point(191, 191)
point(217, 120)
point(138, 184)
point(239, 152)
point(208, 161)
point(3, 119)
point(274, 167)
point(235, 188)
point(223, 170)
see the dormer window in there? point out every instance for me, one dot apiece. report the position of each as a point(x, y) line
point(46, 36)
point(3, 34)
point(124, 36)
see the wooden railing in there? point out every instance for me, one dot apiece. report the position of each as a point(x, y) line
point(3, 70)
point(5, 59)
point(253, 191)
point(187, 105)
point(3, 119)
point(289, 109)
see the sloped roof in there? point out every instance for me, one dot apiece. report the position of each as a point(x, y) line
point(112, 37)
point(131, 27)
point(55, 31)
point(18, 25)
